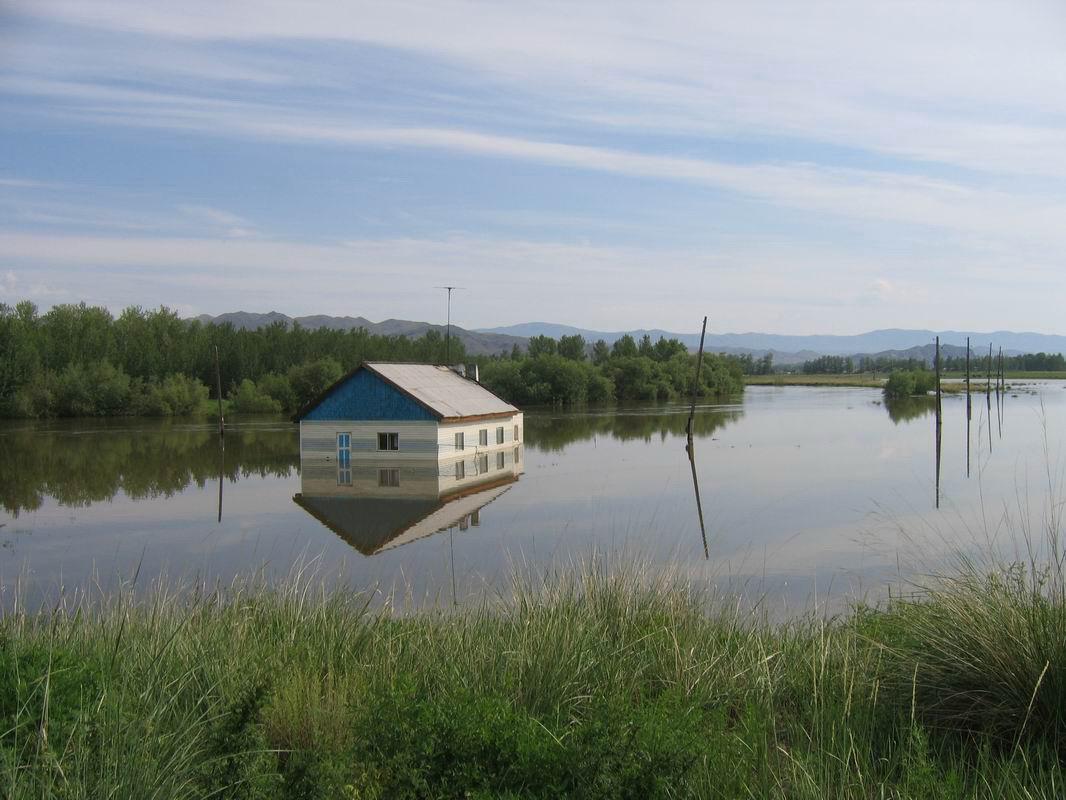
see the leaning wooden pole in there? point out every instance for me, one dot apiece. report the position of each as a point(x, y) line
point(1001, 393)
point(696, 383)
point(218, 388)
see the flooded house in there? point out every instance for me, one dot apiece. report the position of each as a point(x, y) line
point(394, 452)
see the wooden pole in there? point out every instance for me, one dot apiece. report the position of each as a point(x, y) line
point(696, 382)
point(218, 388)
point(699, 506)
point(968, 414)
point(1001, 391)
point(999, 370)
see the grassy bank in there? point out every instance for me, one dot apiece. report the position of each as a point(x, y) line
point(951, 383)
point(595, 685)
point(865, 380)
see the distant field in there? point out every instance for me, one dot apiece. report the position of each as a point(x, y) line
point(874, 381)
point(864, 380)
point(1020, 374)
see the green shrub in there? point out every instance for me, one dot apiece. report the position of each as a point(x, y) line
point(310, 380)
point(278, 388)
point(96, 389)
point(909, 383)
point(248, 399)
point(176, 395)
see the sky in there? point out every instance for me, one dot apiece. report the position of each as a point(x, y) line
point(786, 167)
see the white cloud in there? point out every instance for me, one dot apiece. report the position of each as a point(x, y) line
point(847, 192)
point(231, 224)
point(979, 84)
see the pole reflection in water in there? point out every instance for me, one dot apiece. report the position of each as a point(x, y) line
point(221, 473)
point(969, 407)
point(691, 449)
point(939, 421)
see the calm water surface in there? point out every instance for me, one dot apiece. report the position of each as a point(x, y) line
point(805, 491)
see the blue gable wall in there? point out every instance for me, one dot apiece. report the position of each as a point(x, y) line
point(366, 396)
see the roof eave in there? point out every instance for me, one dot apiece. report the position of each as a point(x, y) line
point(480, 417)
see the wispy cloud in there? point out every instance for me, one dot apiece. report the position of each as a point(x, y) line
point(978, 85)
point(848, 192)
point(926, 140)
point(234, 225)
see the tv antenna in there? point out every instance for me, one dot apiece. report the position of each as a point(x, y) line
point(448, 330)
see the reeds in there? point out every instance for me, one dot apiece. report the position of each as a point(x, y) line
point(606, 679)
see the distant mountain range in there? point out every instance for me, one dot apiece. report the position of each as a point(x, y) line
point(873, 342)
point(476, 342)
point(892, 342)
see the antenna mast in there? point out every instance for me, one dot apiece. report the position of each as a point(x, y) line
point(448, 329)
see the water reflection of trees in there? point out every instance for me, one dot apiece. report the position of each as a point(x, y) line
point(79, 468)
point(553, 432)
point(905, 409)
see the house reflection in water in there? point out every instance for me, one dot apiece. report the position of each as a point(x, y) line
point(385, 506)
point(392, 453)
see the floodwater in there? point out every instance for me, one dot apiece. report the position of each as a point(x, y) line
point(806, 493)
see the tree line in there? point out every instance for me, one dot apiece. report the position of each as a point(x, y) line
point(80, 360)
point(570, 371)
point(1027, 362)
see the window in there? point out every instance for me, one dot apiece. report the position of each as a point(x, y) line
point(500, 461)
point(483, 464)
point(516, 455)
point(388, 441)
point(389, 477)
point(344, 476)
point(499, 435)
point(460, 470)
point(459, 441)
point(516, 433)
point(483, 437)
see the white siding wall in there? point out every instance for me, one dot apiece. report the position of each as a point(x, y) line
point(446, 436)
point(480, 462)
point(426, 456)
point(416, 458)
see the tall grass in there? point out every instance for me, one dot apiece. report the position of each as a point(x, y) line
point(604, 680)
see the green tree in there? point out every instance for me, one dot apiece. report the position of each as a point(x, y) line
point(572, 347)
point(625, 347)
point(601, 352)
point(541, 346)
point(310, 380)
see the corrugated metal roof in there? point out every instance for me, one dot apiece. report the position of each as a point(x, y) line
point(442, 390)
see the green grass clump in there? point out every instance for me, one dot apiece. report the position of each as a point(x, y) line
point(593, 683)
point(909, 383)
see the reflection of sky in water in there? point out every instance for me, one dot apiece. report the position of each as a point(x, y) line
point(804, 490)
